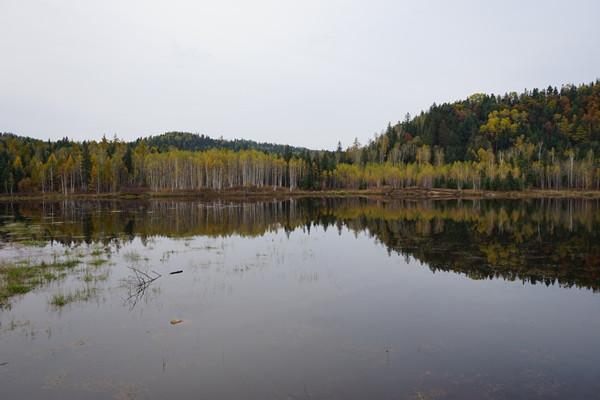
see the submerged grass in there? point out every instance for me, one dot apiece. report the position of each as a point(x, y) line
point(134, 257)
point(88, 277)
point(67, 264)
point(17, 288)
point(61, 299)
point(96, 262)
point(96, 252)
point(16, 279)
point(23, 276)
point(20, 276)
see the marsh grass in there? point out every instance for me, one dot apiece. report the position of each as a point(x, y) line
point(17, 288)
point(20, 276)
point(23, 276)
point(96, 262)
point(61, 299)
point(67, 264)
point(88, 277)
point(96, 252)
point(49, 276)
point(134, 257)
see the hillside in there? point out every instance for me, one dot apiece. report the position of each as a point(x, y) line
point(540, 139)
point(566, 119)
point(197, 142)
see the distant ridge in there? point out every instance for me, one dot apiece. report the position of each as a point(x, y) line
point(198, 142)
point(182, 141)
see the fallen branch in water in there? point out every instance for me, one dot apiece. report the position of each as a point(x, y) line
point(138, 283)
point(144, 277)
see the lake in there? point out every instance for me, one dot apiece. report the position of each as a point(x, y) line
point(308, 298)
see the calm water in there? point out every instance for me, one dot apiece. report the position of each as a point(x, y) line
point(304, 299)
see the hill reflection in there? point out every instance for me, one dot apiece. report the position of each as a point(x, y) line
point(542, 240)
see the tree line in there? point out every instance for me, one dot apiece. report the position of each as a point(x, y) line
point(539, 139)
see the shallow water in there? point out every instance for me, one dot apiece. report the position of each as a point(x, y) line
point(305, 299)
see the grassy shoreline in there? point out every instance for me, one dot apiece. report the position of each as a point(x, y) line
point(266, 193)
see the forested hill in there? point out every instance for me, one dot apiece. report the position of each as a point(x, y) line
point(196, 142)
point(554, 120)
point(178, 141)
point(539, 139)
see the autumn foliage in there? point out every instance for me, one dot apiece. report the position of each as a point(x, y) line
point(542, 139)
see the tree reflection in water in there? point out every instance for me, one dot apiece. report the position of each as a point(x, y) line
point(538, 240)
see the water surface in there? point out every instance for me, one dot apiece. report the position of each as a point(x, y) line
point(304, 299)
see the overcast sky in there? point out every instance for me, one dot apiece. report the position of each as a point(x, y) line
point(304, 72)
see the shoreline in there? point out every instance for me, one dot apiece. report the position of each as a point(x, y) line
point(254, 194)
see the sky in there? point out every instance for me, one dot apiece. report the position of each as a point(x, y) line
point(307, 73)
